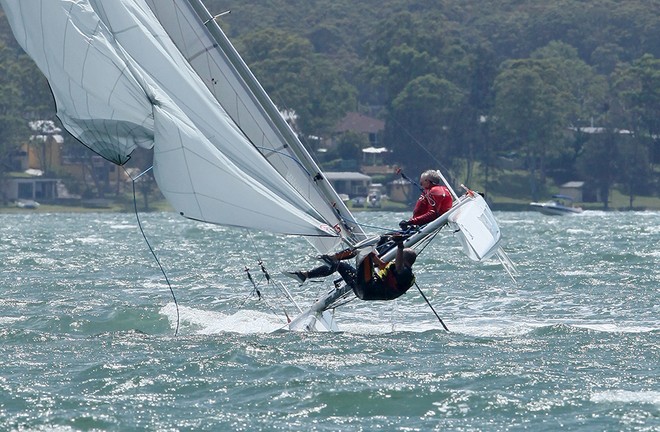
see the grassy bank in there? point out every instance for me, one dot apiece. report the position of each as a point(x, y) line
point(510, 191)
point(618, 202)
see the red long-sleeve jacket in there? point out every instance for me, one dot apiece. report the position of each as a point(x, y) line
point(431, 204)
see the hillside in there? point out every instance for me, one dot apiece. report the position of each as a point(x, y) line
point(459, 85)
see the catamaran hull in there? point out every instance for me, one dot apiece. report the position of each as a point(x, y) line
point(474, 226)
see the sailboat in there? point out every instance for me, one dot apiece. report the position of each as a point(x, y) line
point(162, 74)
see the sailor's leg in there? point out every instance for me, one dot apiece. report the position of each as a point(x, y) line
point(321, 271)
point(302, 276)
point(350, 276)
point(369, 284)
point(339, 256)
point(347, 273)
point(366, 270)
point(364, 278)
point(345, 254)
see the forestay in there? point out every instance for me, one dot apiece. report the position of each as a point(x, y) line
point(222, 152)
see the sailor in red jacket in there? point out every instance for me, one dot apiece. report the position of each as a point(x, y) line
point(433, 202)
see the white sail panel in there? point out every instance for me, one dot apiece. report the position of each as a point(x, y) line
point(203, 185)
point(164, 73)
point(476, 228)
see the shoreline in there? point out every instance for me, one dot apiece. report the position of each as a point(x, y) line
point(504, 207)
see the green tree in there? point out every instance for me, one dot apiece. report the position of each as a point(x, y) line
point(530, 113)
point(477, 110)
point(350, 145)
point(637, 107)
point(420, 122)
point(405, 46)
point(297, 78)
point(13, 125)
point(583, 92)
point(646, 97)
point(599, 162)
point(587, 89)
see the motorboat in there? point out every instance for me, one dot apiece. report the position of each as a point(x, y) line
point(27, 204)
point(559, 205)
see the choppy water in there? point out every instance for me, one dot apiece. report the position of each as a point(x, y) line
point(87, 331)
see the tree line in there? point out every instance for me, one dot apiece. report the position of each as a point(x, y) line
point(568, 89)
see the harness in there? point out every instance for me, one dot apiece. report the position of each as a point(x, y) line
point(390, 278)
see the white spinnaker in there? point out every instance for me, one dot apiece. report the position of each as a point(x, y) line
point(97, 100)
point(108, 62)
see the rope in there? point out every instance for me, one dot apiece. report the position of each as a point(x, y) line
point(137, 216)
point(376, 227)
point(419, 144)
point(426, 194)
point(429, 303)
point(264, 275)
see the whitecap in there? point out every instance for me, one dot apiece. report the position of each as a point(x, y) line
point(626, 396)
point(122, 226)
point(616, 328)
point(91, 240)
point(10, 320)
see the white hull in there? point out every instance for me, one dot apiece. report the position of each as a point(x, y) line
point(553, 209)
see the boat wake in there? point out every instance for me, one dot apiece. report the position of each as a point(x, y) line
point(246, 321)
point(204, 322)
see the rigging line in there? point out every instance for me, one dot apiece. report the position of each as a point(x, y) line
point(281, 153)
point(419, 143)
point(411, 181)
point(353, 221)
point(137, 216)
point(429, 303)
point(254, 285)
point(254, 246)
point(430, 239)
point(265, 275)
point(425, 194)
point(259, 261)
point(260, 296)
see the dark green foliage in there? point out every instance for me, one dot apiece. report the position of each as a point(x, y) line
point(459, 82)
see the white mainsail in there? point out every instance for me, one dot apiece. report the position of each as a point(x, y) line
point(223, 71)
point(122, 80)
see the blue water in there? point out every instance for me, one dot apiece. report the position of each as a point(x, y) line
point(87, 331)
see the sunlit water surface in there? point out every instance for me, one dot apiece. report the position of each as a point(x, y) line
point(87, 331)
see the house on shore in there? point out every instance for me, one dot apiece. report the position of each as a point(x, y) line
point(350, 184)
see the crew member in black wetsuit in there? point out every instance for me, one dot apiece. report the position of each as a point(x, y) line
point(374, 279)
